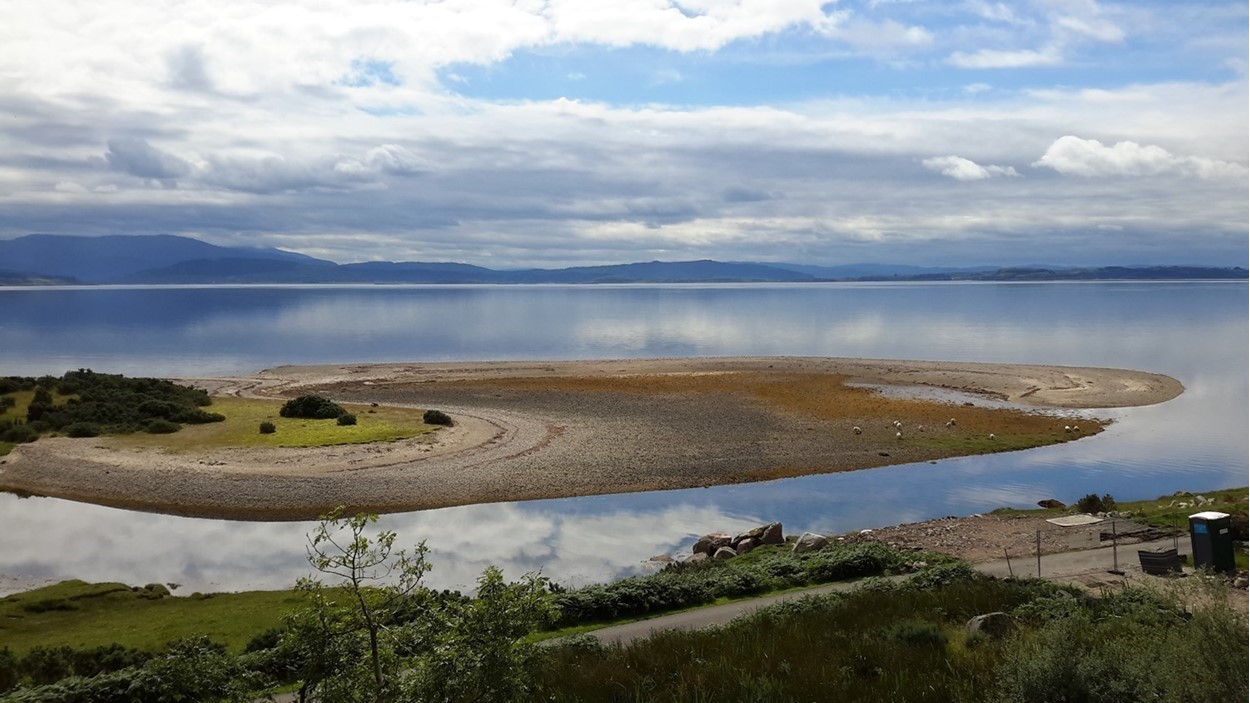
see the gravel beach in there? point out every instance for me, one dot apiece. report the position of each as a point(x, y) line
point(527, 430)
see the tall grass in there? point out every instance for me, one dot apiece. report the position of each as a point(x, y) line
point(910, 644)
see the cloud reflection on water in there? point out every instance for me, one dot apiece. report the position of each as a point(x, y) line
point(1196, 332)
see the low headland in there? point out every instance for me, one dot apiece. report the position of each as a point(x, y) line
point(529, 430)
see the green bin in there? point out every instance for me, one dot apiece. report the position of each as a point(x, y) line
point(1211, 535)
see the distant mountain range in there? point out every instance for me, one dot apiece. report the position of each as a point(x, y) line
point(44, 259)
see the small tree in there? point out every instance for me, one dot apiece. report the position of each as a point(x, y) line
point(375, 578)
point(379, 635)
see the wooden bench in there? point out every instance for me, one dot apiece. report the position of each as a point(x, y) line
point(1161, 562)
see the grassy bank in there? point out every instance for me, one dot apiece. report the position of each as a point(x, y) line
point(86, 615)
point(244, 415)
point(911, 643)
point(1165, 512)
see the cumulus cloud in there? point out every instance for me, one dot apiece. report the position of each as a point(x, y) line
point(1091, 158)
point(962, 169)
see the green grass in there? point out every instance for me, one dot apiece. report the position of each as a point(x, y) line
point(6, 447)
point(910, 644)
point(963, 445)
point(1160, 512)
point(244, 415)
point(84, 615)
point(23, 398)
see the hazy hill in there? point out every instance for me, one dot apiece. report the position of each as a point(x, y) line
point(41, 259)
point(121, 257)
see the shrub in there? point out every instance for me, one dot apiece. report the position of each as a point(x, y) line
point(1093, 504)
point(19, 434)
point(347, 419)
point(313, 407)
point(917, 633)
point(7, 401)
point(82, 429)
point(197, 417)
point(268, 427)
point(159, 426)
point(436, 417)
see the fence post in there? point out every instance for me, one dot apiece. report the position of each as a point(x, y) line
point(1115, 551)
point(1039, 554)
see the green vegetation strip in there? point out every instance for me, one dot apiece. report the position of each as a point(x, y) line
point(911, 642)
point(1164, 512)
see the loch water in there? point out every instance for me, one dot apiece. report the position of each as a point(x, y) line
point(1193, 331)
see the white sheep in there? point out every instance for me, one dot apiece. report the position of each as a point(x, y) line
point(856, 430)
point(993, 436)
point(1076, 429)
point(950, 422)
point(920, 428)
point(898, 425)
point(898, 435)
point(1067, 428)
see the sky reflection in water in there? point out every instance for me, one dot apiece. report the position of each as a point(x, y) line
point(1195, 332)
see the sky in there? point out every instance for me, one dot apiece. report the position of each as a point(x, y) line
point(569, 132)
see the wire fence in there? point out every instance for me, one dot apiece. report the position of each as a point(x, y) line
point(1109, 545)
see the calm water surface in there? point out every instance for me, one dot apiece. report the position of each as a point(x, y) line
point(1196, 332)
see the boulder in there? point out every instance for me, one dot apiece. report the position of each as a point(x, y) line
point(772, 534)
point(1050, 503)
point(995, 625)
point(724, 553)
point(700, 556)
point(764, 534)
point(809, 542)
point(745, 546)
point(709, 543)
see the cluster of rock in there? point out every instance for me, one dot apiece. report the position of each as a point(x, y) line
point(722, 545)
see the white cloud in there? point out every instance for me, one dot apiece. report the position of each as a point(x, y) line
point(995, 58)
point(1093, 28)
point(1090, 158)
point(962, 169)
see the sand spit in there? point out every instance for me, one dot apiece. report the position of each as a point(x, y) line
point(530, 430)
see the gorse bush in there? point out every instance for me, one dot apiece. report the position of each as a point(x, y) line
point(82, 429)
point(312, 407)
point(347, 419)
point(268, 427)
point(18, 434)
point(160, 426)
point(113, 404)
point(436, 417)
point(1093, 504)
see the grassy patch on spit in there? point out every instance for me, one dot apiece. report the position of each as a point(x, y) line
point(84, 615)
point(244, 415)
point(827, 397)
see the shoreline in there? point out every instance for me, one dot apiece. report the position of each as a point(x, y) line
point(530, 430)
